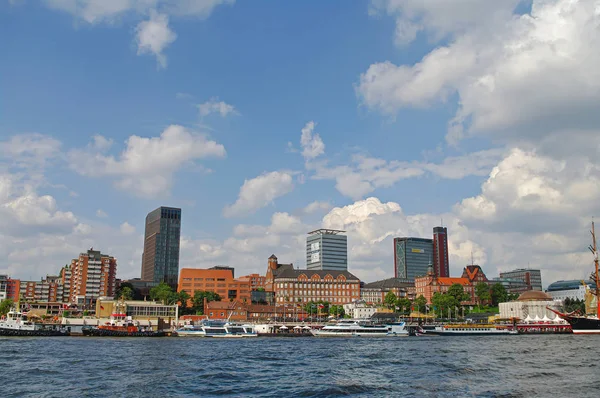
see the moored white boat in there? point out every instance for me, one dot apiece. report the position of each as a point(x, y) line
point(217, 328)
point(362, 328)
point(469, 329)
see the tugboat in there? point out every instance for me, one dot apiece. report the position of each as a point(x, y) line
point(120, 325)
point(16, 324)
point(580, 323)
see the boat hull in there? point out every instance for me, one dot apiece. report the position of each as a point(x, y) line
point(95, 332)
point(369, 335)
point(216, 336)
point(583, 325)
point(38, 332)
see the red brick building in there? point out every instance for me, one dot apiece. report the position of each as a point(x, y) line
point(295, 286)
point(219, 280)
point(430, 284)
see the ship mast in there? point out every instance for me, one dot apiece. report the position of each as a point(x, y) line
point(594, 250)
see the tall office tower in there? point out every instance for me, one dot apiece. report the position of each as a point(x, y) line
point(441, 265)
point(160, 259)
point(412, 257)
point(327, 249)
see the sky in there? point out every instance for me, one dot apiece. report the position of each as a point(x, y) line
point(266, 120)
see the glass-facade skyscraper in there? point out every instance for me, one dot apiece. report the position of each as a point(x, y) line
point(327, 249)
point(412, 257)
point(160, 260)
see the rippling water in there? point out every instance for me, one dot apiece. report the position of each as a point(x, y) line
point(492, 366)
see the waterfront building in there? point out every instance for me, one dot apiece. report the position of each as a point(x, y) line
point(158, 313)
point(375, 292)
point(92, 275)
point(3, 287)
point(219, 280)
point(256, 281)
point(295, 286)
point(359, 309)
point(327, 249)
point(231, 310)
point(48, 289)
point(531, 277)
point(441, 264)
point(515, 286)
point(412, 257)
point(530, 304)
point(572, 289)
point(160, 259)
point(430, 284)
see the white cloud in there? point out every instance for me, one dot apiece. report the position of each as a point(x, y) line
point(153, 36)
point(216, 106)
point(96, 11)
point(441, 18)
point(259, 192)
point(147, 165)
point(311, 142)
point(519, 78)
point(317, 206)
point(101, 213)
point(127, 229)
point(101, 143)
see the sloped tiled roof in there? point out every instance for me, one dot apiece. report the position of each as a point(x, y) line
point(288, 271)
point(388, 284)
point(452, 281)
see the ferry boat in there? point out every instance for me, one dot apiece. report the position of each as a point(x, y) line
point(468, 329)
point(15, 323)
point(362, 328)
point(217, 328)
point(580, 323)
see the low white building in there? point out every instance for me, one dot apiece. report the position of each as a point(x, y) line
point(359, 310)
point(573, 289)
point(532, 304)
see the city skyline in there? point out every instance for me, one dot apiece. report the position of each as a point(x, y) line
point(381, 134)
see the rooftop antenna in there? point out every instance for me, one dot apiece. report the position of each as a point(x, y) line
point(472, 260)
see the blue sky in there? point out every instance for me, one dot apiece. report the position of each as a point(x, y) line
point(439, 109)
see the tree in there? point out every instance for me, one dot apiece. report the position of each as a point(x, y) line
point(163, 293)
point(183, 297)
point(198, 300)
point(498, 294)
point(136, 294)
point(390, 300)
point(482, 291)
point(403, 304)
point(420, 303)
point(458, 293)
point(443, 302)
point(126, 293)
point(5, 306)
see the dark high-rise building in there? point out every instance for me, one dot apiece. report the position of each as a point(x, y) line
point(160, 260)
point(441, 265)
point(412, 257)
point(532, 278)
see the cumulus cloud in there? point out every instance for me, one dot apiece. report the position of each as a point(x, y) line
point(153, 36)
point(147, 165)
point(259, 192)
point(441, 18)
point(317, 206)
point(215, 106)
point(517, 78)
point(311, 142)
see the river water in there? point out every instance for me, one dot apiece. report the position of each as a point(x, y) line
point(490, 366)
